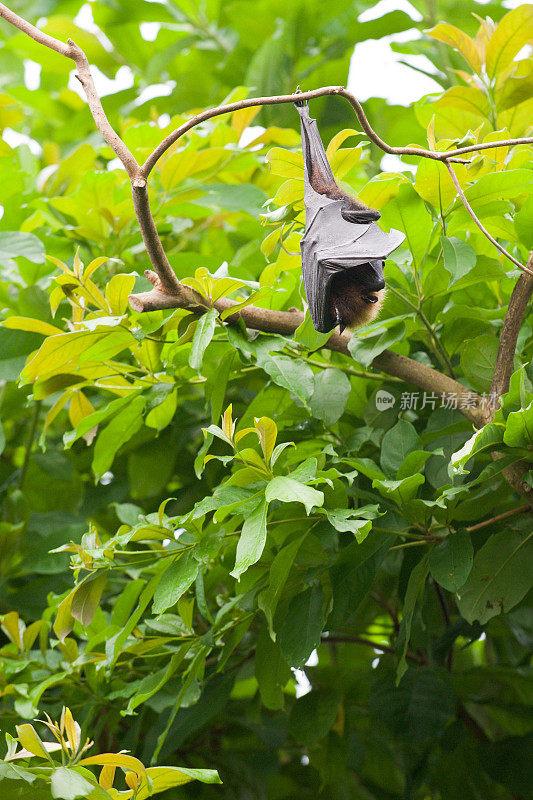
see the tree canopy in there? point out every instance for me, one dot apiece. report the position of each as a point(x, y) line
point(241, 559)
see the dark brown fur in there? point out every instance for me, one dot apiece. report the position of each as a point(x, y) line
point(334, 192)
point(350, 303)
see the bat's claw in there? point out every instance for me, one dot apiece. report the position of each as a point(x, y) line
point(338, 320)
point(300, 103)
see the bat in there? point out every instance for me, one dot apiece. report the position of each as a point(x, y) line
point(343, 250)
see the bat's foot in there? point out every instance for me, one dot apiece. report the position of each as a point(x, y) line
point(300, 103)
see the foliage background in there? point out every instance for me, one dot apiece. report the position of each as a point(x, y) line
point(367, 572)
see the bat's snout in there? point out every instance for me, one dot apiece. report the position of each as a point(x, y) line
point(370, 276)
point(377, 286)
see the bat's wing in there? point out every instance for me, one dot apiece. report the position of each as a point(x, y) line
point(317, 171)
point(331, 245)
point(334, 239)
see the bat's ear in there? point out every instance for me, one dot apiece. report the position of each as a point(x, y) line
point(360, 216)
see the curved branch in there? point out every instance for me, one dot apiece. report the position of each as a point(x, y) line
point(34, 33)
point(479, 224)
point(340, 91)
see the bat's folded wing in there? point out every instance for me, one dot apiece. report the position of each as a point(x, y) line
point(331, 245)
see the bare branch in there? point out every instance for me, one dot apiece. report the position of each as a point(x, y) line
point(513, 512)
point(340, 91)
point(167, 283)
point(286, 322)
point(71, 50)
point(478, 223)
point(34, 33)
point(511, 328)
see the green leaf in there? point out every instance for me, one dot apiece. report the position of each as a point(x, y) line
point(451, 560)
point(163, 778)
point(499, 185)
point(313, 715)
point(501, 576)
point(68, 784)
point(343, 520)
point(477, 360)
point(300, 629)
point(287, 490)
point(371, 340)
point(417, 710)
point(271, 670)
point(292, 374)
point(117, 291)
point(121, 428)
point(401, 491)
point(330, 395)
point(65, 351)
point(14, 244)
point(306, 335)
point(155, 681)
point(353, 573)
point(252, 539)
point(396, 444)
point(415, 589)
point(519, 428)
point(87, 597)
point(92, 420)
point(279, 572)
point(488, 436)
point(459, 257)
point(176, 580)
point(203, 334)
point(523, 222)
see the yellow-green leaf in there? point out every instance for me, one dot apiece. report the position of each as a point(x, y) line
point(513, 32)
point(117, 292)
point(30, 324)
point(267, 432)
point(338, 139)
point(456, 38)
point(30, 741)
point(86, 598)
point(292, 191)
point(285, 163)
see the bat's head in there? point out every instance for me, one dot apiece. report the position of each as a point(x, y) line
point(356, 294)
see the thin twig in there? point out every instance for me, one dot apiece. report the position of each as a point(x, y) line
point(384, 648)
point(71, 50)
point(499, 517)
point(481, 227)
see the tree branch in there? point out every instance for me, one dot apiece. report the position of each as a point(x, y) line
point(71, 50)
point(340, 91)
point(511, 328)
point(286, 322)
point(481, 227)
point(503, 369)
point(166, 284)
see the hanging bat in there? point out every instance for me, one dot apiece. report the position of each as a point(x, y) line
point(343, 250)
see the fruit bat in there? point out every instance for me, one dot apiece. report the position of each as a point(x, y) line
point(343, 250)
